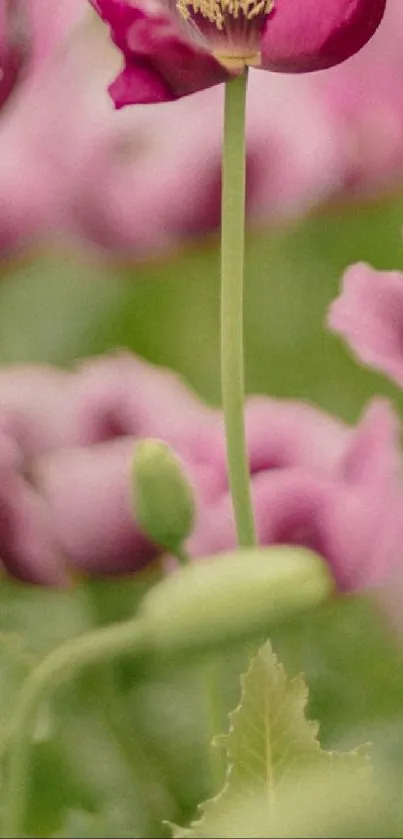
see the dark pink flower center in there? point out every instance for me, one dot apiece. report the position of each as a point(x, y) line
point(232, 28)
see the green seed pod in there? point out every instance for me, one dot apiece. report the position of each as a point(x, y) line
point(233, 597)
point(162, 495)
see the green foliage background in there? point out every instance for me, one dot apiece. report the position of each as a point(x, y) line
point(116, 754)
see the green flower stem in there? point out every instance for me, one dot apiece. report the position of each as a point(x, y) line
point(99, 645)
point(232, 275)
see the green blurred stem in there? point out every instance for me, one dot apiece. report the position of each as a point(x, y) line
point(232, 280)
point(100, 645)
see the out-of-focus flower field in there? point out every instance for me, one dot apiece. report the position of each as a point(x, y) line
point(109, 238)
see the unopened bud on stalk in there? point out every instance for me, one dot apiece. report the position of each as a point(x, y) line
point(162, 496)
point(14, 44)
point(233, 597)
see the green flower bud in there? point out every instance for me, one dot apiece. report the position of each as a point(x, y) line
point(162, 495)
point(233, 597)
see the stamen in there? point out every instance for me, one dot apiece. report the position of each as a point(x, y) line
point(217, 11)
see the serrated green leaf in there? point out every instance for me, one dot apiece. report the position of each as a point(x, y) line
point(270, 735)
point(269, 742)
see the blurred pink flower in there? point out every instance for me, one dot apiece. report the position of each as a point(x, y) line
point(27, 196)
point(66, 444)
point(352, 116)
point(128, 182)
point(363, 101)
point(320, 484)
point(368, 314)
point(134, 187)
point(172, 50)
point(141, 181)
point(146, 178)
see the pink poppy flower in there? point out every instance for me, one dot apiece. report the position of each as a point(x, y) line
point(66, 444)
point(320, 484)
point(127, 183)
point(368, 314)
point(173, 50)
point(67, 440)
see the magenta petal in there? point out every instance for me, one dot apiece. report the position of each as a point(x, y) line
point(139, 85)
point(160, 63)
point(300, 37)
point(369, 316)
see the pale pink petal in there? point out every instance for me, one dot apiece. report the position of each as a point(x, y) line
point(372, 454)
point(121, 395)
point(368, 314)
point(285, 433)
point(28, 547)
point(364, 535)
point(88, 498)
point(36, 407)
